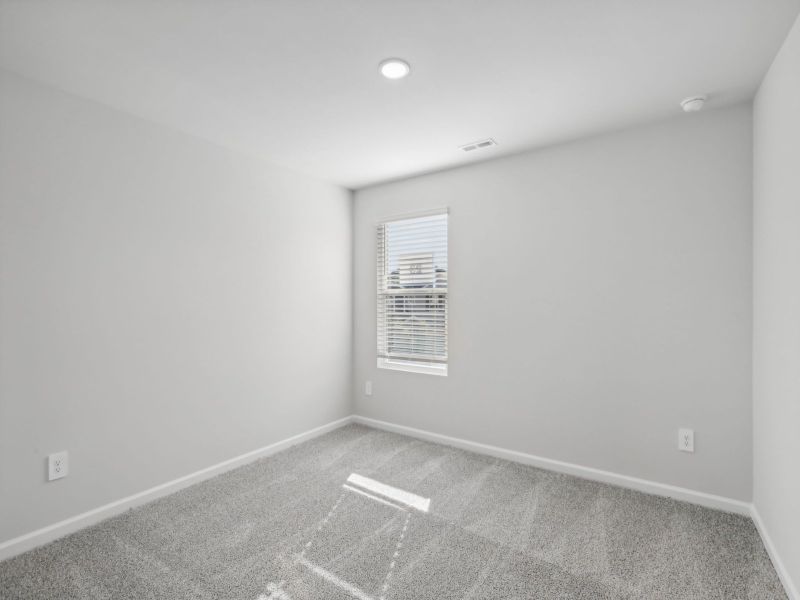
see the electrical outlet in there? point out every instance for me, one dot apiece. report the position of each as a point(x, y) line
point(57, 465)
point(368, 388)
point(686, 440)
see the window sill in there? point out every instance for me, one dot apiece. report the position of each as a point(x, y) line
point(412, 367)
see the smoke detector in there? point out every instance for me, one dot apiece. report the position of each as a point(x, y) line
point(480, 144)
point(693, 103)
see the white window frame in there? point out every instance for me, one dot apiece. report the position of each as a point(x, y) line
point(410, 365)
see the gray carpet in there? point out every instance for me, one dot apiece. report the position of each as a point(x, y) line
point(286, 528)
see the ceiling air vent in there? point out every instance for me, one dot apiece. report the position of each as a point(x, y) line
point(479, 145)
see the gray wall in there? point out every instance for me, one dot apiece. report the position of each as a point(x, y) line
point(776, 340)
point(165, 304)
point(600, 300)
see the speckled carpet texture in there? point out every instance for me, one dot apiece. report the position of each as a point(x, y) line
point(361, 513)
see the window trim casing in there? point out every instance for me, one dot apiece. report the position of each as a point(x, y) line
point(410, 365)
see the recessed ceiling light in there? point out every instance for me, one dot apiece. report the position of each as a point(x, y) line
point(394, 68)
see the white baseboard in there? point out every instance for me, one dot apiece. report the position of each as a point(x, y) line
point(780, 567)
point(641, 485)
point(52, 532)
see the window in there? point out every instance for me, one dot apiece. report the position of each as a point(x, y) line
point(412, 293)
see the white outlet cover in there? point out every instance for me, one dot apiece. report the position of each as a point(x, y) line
point(368, 388)
point(57, 465)
point(686, 440)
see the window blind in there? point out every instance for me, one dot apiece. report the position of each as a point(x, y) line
point(412, 289)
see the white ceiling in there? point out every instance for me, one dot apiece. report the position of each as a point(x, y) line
point(296, 81)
